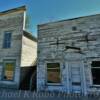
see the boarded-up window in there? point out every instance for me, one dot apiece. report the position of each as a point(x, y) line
point(53, 73)
point(96, 72)
point(8, 71)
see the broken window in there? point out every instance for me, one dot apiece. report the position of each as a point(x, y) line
point(53, 73)
point(96, 72)
point(8, 73)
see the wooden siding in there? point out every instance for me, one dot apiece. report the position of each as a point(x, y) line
point(85, 40)
point(12, 22)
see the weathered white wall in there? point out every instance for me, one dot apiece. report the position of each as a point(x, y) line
point(29, 52)
point(48, 34)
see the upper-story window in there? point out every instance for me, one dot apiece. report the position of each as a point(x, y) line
point(7, 40)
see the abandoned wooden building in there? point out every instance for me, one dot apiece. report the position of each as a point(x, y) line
point(69, 55)
point(18, 50)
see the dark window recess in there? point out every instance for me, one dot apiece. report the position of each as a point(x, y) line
point(96, 72)
point(74, 28)
point(95, 64)
point(96, 76)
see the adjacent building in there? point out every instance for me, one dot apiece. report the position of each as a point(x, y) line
point(69, 55)
point(18, 49)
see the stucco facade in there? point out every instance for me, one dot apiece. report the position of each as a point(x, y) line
point(75, 45)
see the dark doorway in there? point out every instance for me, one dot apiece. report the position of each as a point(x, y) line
point(26, 75)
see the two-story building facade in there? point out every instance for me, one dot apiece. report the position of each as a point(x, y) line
point(18, 48)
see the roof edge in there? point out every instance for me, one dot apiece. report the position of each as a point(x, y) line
point(69, 19)
point(29, 35)
point(22, 8)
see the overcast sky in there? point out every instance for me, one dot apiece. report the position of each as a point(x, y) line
point(42, 11)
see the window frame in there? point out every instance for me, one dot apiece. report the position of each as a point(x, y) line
point(47, 73)
point(7, 41)
point(3, 72)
